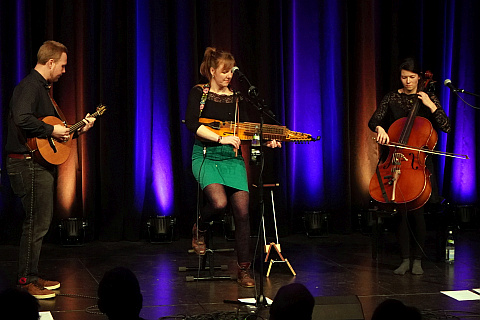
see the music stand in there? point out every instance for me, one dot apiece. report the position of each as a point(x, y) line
point(274, 245)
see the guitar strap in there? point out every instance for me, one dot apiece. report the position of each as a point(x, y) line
point(203, 100)
point(57, 109)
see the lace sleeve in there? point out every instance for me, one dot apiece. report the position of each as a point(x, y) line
point(193, 109)
point(440, 117)
point(380, 115)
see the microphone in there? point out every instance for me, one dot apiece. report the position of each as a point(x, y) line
point(449, 84)
point(237, 71)
point(252, 90)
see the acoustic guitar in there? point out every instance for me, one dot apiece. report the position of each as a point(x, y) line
point(48, 151)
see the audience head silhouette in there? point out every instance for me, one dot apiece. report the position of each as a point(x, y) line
point(119, 295)
point(393, 309)
point(18, 304)
point(292, 301)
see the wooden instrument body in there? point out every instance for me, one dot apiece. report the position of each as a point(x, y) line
point(50, 151)
point(246, 130)
point(404, 174)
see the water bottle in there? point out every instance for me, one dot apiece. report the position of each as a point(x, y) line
point(255, 149)
point(450, 247)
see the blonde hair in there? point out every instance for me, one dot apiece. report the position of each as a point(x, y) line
point(50, 50)
point(213, 58)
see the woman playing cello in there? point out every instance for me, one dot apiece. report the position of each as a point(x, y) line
point(395, 105)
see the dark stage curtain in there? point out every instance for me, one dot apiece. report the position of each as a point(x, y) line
point(320, 66)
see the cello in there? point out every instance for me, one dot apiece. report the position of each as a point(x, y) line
point(403, 178)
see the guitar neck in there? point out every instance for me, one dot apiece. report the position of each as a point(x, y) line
point(81, 124)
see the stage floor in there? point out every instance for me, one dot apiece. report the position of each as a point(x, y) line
point(336, 265)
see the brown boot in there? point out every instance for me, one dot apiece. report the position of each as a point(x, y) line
point(198, 241)
point(243, 275)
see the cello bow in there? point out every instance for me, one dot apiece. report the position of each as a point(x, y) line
point(435, 152)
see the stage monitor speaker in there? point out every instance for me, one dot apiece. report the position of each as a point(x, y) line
point(337, 308)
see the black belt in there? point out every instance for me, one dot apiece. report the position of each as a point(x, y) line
point(19, 156)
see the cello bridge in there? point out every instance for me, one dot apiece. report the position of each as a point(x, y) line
point(397, 157)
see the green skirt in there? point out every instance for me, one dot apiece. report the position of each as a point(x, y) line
point(218, 165)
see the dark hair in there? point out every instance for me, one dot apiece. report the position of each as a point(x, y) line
point(213, 58)
point(19, 304)
point(410, 64)
point(393, 309)
point(292, 301)
point(119, 294)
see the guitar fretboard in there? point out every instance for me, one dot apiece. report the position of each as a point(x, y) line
point(81, 124)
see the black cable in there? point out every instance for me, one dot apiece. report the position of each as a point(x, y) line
point(30, 218)
point(447, 314)
point(91, 309)
point(222, 315)
point(199, 194)
point(468, 104)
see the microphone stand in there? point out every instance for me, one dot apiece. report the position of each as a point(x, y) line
point(456, 91)
point(260, 300)
point(463, 91)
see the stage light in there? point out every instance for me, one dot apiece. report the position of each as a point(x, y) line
point(467, 217)
point(72, 231)
point(160, 229)
point(316, 223)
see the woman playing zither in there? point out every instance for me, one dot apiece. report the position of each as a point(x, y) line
point(216, 163)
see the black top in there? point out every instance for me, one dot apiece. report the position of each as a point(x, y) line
point(397, 105)
point(30, 101)
point(218, 106)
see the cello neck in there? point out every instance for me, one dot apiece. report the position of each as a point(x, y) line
point(407, 130)
point(422, 86)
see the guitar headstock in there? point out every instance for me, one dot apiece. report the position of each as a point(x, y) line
point(101, 109)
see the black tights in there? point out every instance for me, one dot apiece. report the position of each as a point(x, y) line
point(218, 197)
point(413, 229)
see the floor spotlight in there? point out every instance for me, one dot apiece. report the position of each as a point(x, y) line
point(467, 217)
point(160, 229)
point(72, 231)
point(316, 223)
